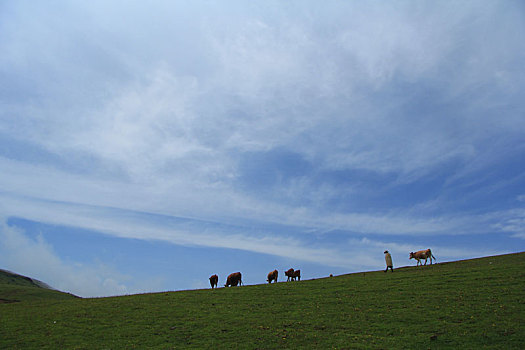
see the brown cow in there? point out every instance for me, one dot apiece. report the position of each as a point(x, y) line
point(293, 274)
point(422, 254)
point(272, 276)
point(234, 279)
point(296, 274)
point(214, 279)
point(289, 274)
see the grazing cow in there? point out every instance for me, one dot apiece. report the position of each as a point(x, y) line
point(422, 254)
point(214, 279)
point(296, 274)
point(234, 279)
point(272, 276)
point(289, 274)
point(293, 274)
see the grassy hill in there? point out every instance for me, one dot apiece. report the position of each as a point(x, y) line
point(16, 288)
point(468, 304)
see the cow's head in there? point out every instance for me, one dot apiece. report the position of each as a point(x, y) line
point(412, 255)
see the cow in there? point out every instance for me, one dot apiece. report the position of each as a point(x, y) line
point(272, 276)
point(214, 279)
point(289, 274)
point(296, 274)
point(234, 279)
point(293, 274)
point(422, 254)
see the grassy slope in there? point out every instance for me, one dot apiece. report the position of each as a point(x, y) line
point(15, 288)
point(7, 277)
point(469, 304)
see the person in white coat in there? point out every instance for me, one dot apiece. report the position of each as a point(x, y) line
point(388, 260)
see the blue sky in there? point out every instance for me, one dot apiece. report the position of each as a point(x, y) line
point(144, 147)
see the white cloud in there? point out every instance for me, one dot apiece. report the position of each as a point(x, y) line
point(125, 224)
point(208, 203)
point(512, 221)
point(188, 232)
point(277, 83)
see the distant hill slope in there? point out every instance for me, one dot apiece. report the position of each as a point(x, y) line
point(16, 288)
point(469, 304)
point(8, 277)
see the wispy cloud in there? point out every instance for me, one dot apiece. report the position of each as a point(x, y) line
point(128, 223)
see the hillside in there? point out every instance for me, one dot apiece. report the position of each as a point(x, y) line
point(466, 304)
point(16, 288)
point(7, 277)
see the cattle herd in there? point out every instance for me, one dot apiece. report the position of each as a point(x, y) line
point(235, 279)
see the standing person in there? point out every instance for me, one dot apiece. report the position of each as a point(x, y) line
point(388, 260)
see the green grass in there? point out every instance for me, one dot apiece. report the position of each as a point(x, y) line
point(468, 304)
point(15, 288)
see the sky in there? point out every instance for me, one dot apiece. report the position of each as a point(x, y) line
point(145, 146)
